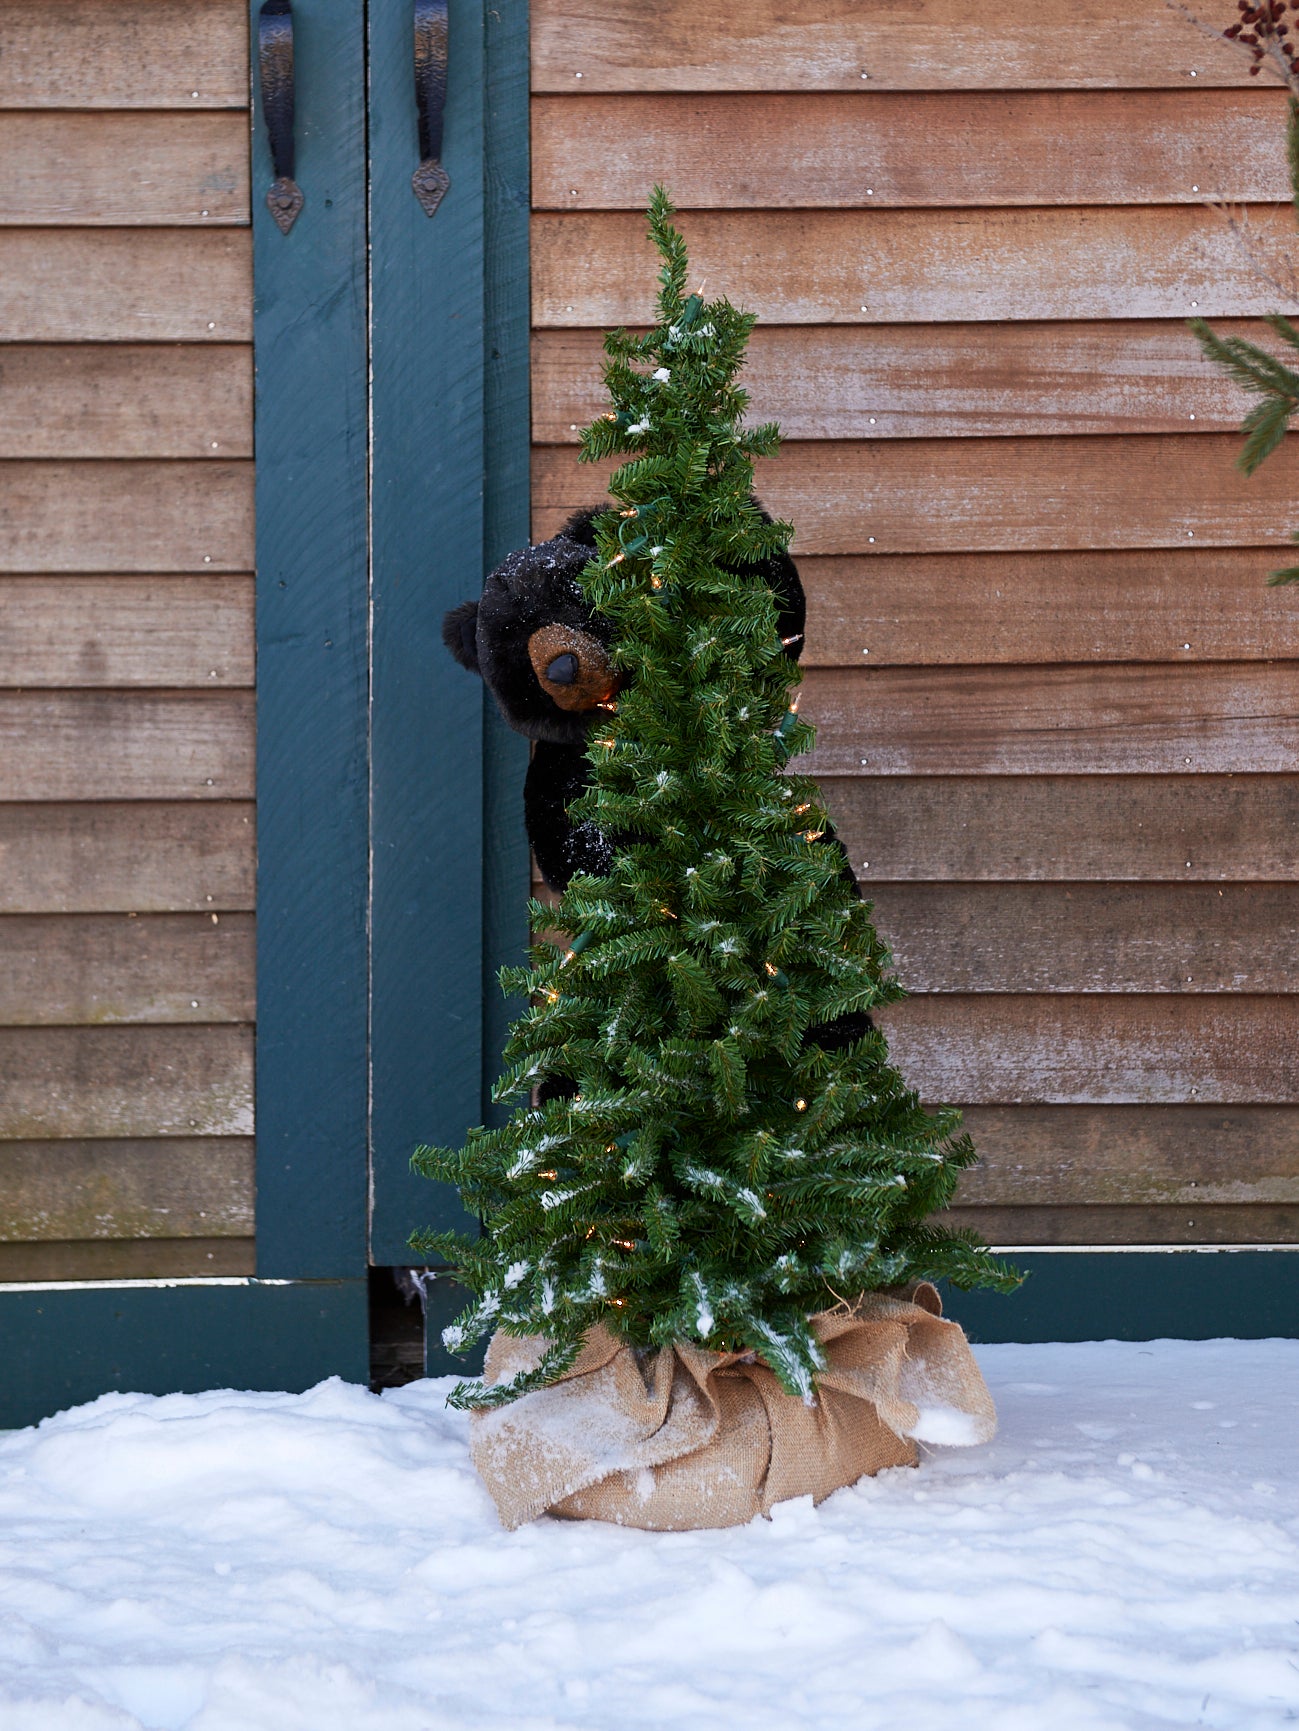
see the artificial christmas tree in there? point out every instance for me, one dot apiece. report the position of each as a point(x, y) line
point(716, 1169)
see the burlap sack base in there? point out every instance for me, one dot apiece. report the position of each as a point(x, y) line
point(684, 1438)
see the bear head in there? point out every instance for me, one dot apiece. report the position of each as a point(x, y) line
point(542, 652)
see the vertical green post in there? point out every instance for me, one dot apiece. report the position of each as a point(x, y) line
point(312, 783)
point(445, 503)
point(508, 490)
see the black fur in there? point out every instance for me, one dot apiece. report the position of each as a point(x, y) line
point(539, 586)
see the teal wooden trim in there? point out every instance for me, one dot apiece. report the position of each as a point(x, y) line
point(312, 674)
point(61, 1345)
point(507, 496)
point(1139, 1295)
point(450, 496)
point(427, 554)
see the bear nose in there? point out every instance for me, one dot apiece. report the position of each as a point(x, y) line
point(562, 670)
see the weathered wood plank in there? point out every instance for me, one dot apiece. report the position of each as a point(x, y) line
point(107, 286)
point(129, 517)
point(993, 495)
point(830, 44)
point(1120, 1050)
point(87, 1083)
point(196, 1188)
point(1188, 604)
point(126, 400)
point(870, 149)
point(939, 381)
point(1058, 828)
point(127, 170)
point(151, 858)
point(67, 970)
point(128, 1259)
point(126, 745)
point(116, 631)
point(1091, 937)
point(1242, 1224)
point(124, 54)
point(915, 266)
point(1072, 1156)
point(1236, 718)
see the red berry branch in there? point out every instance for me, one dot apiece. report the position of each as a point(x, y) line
point(1262, 32)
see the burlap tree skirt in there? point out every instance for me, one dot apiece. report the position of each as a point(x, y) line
point(685, 1438)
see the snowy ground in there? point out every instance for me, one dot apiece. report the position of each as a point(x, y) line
point(1125, 1555)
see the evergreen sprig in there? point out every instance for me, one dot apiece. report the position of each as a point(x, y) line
point(1252, 367)
point(717, 1176)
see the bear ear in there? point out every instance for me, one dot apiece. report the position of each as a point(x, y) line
point(580, 527)
point(460, 634)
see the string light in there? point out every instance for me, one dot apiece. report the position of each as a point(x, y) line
point(800, 1105)
point(578, 944)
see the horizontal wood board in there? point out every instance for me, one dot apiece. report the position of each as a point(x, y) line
point(1241, 1223)
point(129, 517)
point(144, 856)
point(1097, 1050)
point(1238, 718)
point(1174, 938)
point(1185, 605)
point(991, 495)
point(124, 170)
point(84, 745)
point(98, 969)
point(79, 54)
point(841, 45)
point(871, 149)
point(906, 381)
point(121, 286)
point(918, 266)
point(126, 631)
point(1132, 1156)
point(88, 1083)
point(128, 1259)
point(1045, 828)
point(126, 400)
point(181, 1188)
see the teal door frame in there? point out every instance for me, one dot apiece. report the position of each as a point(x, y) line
point(392, 863)
point(348, 630)
point(449, 467)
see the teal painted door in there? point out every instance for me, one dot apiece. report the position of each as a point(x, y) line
point(392, 451)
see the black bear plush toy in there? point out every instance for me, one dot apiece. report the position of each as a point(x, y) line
point(545, 659)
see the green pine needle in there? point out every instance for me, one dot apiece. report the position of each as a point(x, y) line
point(712, 1175)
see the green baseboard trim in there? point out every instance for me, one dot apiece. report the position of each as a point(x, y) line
point(62, 1345)
point(1146, 1294)
point(1143, 1294)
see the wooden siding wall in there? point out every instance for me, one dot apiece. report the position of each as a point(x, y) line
point(126, 641)
point(1057, 705)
